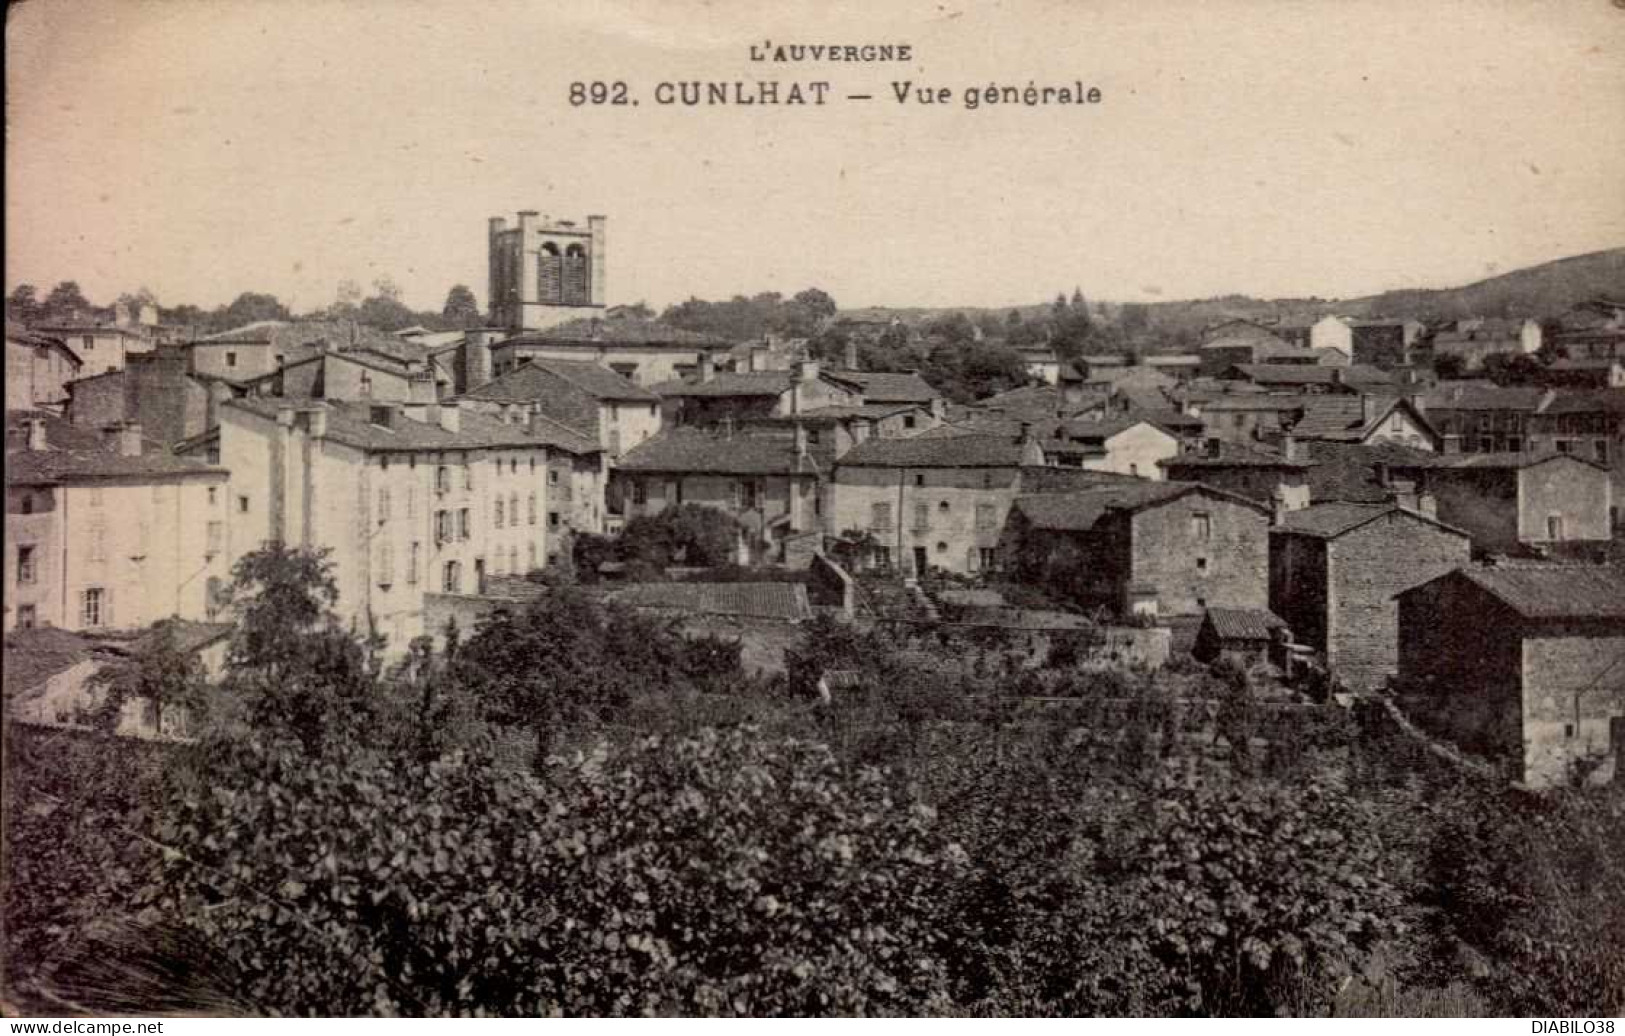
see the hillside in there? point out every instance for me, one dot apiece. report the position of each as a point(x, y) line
point(1543, 292)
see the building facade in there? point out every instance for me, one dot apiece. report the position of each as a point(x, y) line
point(545, 272)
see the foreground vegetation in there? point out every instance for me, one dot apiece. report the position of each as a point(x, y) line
point(573, 810)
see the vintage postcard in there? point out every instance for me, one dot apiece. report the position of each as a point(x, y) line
point(913, 509)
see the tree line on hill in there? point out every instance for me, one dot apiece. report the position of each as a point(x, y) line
point(573, 809)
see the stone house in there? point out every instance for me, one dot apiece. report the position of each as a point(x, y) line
point(100, 347)
point(1096, 440)
point(1157, 548)
point(1483, 417)
point(1244, 341)
point(154, 391)
point(1511, 501)
point(1329, 335)
point(644, 352)
point(1545, 694)
point(1248, 633)
point(1312, 378)
point(1365, 419)
point(714, 398)
point(1263, 474)
point(38, 369)
point(588, 398)
point(932, 502)
point(106, 532)
point(1334, 569)
point(412, 499)
point(771, 482)
point(1473, 339)
point(1586, 424)
point(1243, 417)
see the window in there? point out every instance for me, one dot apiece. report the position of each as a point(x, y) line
point(411, 503)
point(883, 557)
point(942, 548)
point(908, 420)
point(216, 538)
point(1601, 447)
point(25, 503)
point(442, 479)
point(1134, 469)
point(442, 526)
point(922, 516)
point(513, 465)
point(366, 384)
point(231, 359)
point(88, 342)
point(468, 475)
point(552, 519)
point(1564, 446)
point(386, 565)
point(513, 560)
point(530, 555)
point(640, 492)
point(943, 507)
point(1568, 730)
point(496, 513)
point(812, 436)
point(214, 496)
point(1554, 527)
point(530, 511)
point(383, 503)
point(242, 504)
point(552, 477)
point(990, 559)
point(747, 494)
point(25, 565)
point(1514, 444)
point(1201, 526)
point(513, 509)
point(462, 524)
point(451, 577)
point(1201, 565)
point(919, 480)
point(26, 617)
point(92, 607)
point(880, 517)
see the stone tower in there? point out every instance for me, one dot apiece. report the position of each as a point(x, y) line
point(544, 272)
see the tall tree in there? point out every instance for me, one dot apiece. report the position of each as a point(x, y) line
point(252, 307)
point(66, 302)
point(462, 309)
point(23, 303)
point(818, 302)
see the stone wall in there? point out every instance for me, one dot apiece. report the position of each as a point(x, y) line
point(1574, 699)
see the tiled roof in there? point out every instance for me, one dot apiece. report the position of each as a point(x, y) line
point(890, 386)
point(1079, 510)
point(766, 384)
point(1235, 332)
point(1252, 401)
point(871, 411)
point(16, 332)
point(1236, 455)
point(33, 656)
point(351, 423)
point(1244, 623)
point(616, 331)
point(1554, 591)
point(1348, 472)
point(1312, 374)
point(927, 450)
point(683, 450)
point(782, 601)
point(1331, 520)
point(1172, 360)
point(1594, 401)
point(189, 635)
point(1482, 395)
point(1513, 461)
point(74, 454)
point(524, 385)
point(1342, 418)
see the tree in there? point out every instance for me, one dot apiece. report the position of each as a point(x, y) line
point(66, 302)
point(23, 303)
point(1449, 366)
point(251, 307)
point(1512, 368)
point(462, 309)
point(818, 302)
point(158, 672)
point(689, 534)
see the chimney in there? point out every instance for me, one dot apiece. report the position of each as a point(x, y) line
point(420, 387)
point(1278, 507)
point(450, 415)
point(851, 356)
point(36, 434)
point(708, 366)
point(1289, 446)
point(757, 360)
point(807, 370)
point(383, 414)
point(1427, 504)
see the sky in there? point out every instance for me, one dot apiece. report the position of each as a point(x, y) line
point(1282, 148)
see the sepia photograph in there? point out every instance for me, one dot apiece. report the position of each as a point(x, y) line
point(701, 509)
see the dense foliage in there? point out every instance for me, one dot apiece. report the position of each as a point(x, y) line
point(972, 822)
